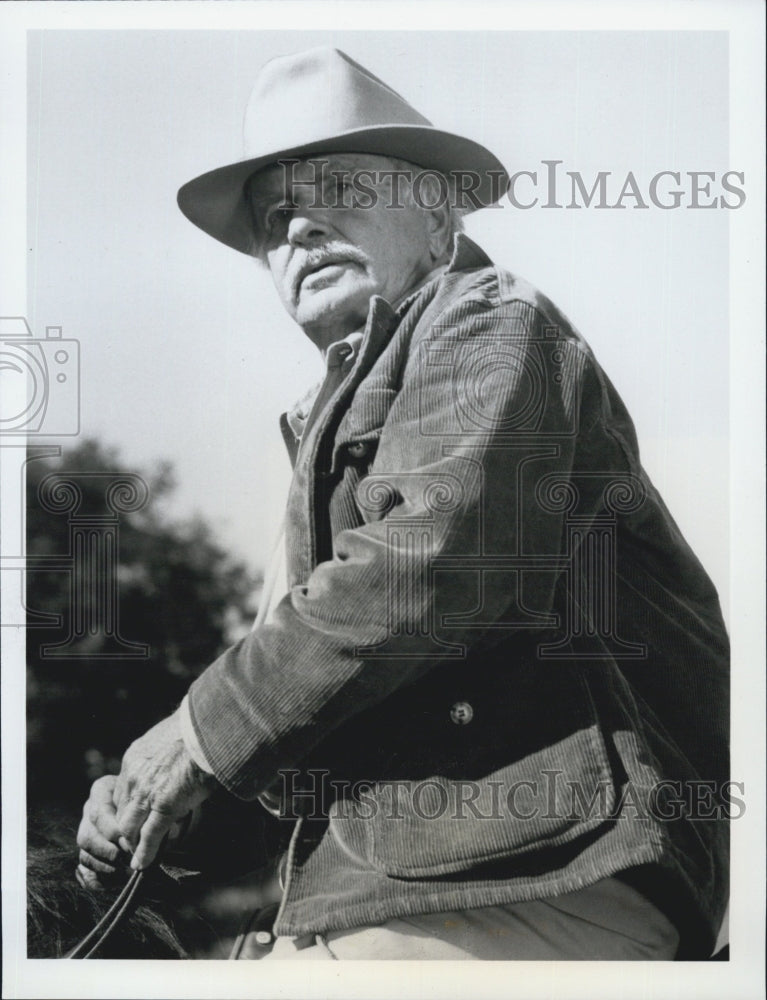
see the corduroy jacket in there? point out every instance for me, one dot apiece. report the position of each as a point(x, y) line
point(500, 673)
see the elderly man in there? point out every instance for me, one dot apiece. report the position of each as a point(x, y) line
point(491, 698)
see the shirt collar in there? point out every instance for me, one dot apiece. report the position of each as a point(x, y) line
point(340, 354)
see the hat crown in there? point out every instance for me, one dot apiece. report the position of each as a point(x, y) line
point(314, 94)
point(321, 101)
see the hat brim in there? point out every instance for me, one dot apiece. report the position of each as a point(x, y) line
point(215, 201)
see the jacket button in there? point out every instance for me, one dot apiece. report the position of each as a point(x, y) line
point(358, 449)
point(462, 713)
point(263, 938)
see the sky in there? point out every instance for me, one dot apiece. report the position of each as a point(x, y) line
point(186, 353)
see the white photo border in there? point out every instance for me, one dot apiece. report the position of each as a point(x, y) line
point(742, 977)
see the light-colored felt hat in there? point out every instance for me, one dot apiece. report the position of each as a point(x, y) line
point(321, 101)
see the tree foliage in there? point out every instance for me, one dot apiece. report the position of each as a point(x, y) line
point(179, 593)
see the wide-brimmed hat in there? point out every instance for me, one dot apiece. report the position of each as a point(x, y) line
point(321, 101)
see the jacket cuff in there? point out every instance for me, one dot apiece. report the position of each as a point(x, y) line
point(189, 737)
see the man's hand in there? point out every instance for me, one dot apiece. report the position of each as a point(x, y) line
point(99, 836)
point(158, 784)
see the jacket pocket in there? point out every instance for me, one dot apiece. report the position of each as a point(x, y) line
point(361, 426)
point(447, 823)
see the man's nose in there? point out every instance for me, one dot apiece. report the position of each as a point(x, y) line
point(308, 228)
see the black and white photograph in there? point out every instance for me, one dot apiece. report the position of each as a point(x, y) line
point(382, 454)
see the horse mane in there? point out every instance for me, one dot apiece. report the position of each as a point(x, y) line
point(60, 912)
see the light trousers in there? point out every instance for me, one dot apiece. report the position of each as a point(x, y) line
point(606, 921)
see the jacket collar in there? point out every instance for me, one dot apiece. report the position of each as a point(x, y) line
point(467, 255)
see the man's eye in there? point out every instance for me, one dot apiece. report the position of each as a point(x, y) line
point(338, 189)
point(278, 216)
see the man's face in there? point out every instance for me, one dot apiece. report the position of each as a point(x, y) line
point(327, 255)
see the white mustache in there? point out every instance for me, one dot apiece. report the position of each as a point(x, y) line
point(317, 257)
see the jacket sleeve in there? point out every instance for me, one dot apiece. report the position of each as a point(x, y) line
point(475, 448)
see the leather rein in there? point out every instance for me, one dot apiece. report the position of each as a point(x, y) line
point(121, 908)
point(117, 912)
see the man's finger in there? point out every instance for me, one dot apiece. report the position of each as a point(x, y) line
point(102, 789)
point(152, 833)
point(100, 808)
point(88, 860)
point(131, 817)
point(90, 839)
point(88, 879)
point(120, 791)
point(104, 820)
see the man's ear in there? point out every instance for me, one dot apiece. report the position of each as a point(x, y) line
point(438, 230)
